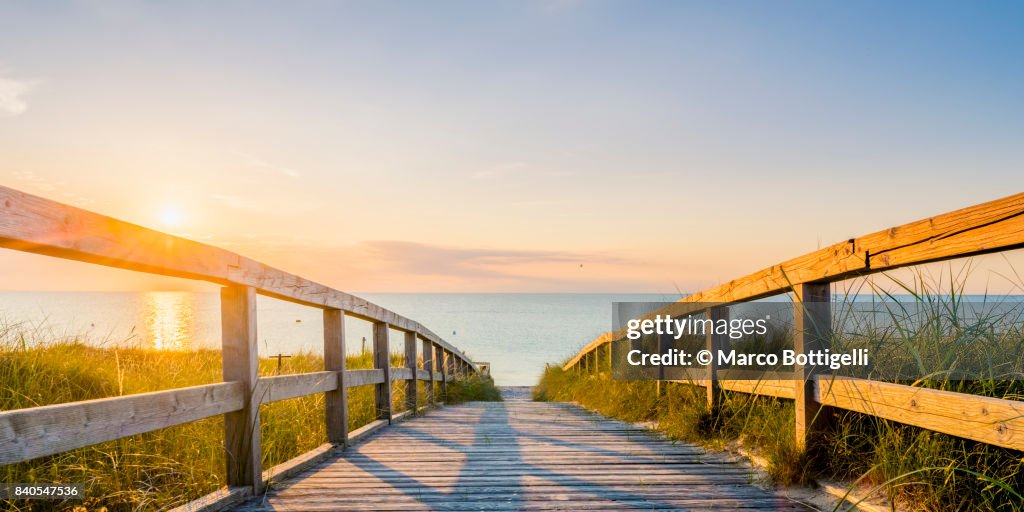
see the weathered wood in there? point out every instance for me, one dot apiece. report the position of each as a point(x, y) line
point(402, 415)
point(355, 378)
point(428, 367)
point(410, 363)
point(765, 387)
point(33, 224)
point(812, 327)
point(364, 432)
point(993, 226)
point(241, 364)
point(778, 386)
point(225, 497)
point(401, 373)
point(216, 500)
point(715, 342)
point(284, 387)
point(336, 400)
point(988, 420)
point(440, 363)
point(382, 361)
point(600, 341)
point(297, 465)
point(39, 431)
point(520, 455)
point(988, 227)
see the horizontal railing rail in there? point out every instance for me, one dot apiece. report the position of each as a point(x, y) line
point(33, 224)
point(984, 228)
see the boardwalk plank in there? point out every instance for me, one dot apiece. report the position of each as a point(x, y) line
point(520, 455)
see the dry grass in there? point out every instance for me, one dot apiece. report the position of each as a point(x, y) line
point(919, 469)
point(168, 467)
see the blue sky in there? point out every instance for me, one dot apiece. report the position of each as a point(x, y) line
point(490, 146)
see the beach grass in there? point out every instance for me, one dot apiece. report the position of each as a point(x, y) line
point(171, 466)
point(915, 468)
point(473, 388)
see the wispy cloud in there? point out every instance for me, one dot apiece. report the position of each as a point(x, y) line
point(426, 259)
point(13, 93)
point(400, 265)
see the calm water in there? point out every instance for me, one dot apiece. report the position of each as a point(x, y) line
point(517, 333)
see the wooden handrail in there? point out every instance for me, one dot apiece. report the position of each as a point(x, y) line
point(34, 432)
point(40, 431)
point(33, 224)
point(984, 228)
point(988, 227)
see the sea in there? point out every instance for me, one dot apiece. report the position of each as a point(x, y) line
point(517, 333)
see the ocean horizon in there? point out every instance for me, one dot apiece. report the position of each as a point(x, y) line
point(517, 332)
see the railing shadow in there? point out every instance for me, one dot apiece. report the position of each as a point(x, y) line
point(511, 491)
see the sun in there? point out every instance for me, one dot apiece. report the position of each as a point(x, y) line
point(171, 217)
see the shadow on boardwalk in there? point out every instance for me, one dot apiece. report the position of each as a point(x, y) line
point(519, 455)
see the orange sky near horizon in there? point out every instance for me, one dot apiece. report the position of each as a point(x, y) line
point(382, 148)
point(398, 266)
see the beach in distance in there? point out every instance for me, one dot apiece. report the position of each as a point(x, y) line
point(517, 333)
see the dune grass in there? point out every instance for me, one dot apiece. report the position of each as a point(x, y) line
point(915, 468)
point(473, 388)
point(168, 467)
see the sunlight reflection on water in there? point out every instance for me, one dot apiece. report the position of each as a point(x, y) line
point(170, 319)
point(519, 333)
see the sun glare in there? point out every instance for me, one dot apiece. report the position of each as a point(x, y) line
point(171, 217)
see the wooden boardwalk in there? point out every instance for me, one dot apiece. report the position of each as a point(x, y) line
point(519, 455)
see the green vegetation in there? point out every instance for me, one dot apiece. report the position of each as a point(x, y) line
point(917, 468)
point(475, 388)
point(172, 466)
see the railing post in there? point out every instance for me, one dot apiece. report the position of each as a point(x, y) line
point(812, 326)
point(713, 343)
point(382, 361)
point(410, 363)
point(610, 362)
point(241, 364)
point(428, 365)
point(439, 354)
point(334, 360)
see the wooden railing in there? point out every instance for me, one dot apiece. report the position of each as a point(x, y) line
point(984, 228)
point(37, 225)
